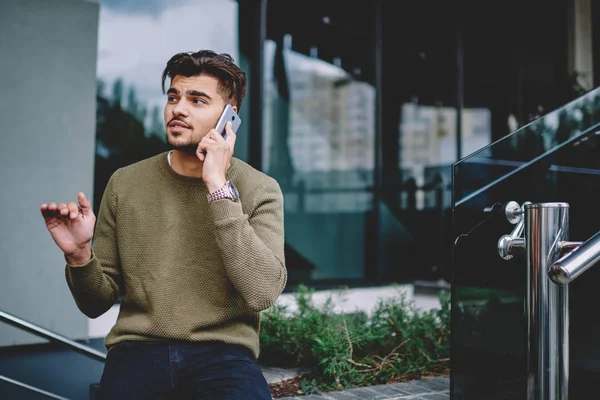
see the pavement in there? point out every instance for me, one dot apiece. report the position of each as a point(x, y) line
point(424, 389)
point(274, 375)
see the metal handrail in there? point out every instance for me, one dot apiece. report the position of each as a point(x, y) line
point(576, 262)
point(31, 388)
point(52, 336)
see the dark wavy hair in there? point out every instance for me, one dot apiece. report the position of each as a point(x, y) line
point(232, 80)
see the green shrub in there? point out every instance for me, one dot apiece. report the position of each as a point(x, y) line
point(348, 350)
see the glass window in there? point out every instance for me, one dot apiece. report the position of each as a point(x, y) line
point(135, 40)
point(419, 138)
point(319, 143)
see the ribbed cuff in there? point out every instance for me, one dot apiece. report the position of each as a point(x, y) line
point(82, 265)
point(83, 272)
point(225, 209)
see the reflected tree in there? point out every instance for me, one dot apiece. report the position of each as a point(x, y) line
point(132, 102)
point(552, 129)
point(157, 126)
point(121, 135)
point(100, 87)
point(117, 95)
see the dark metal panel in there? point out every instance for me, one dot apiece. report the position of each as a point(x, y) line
point(252, 35)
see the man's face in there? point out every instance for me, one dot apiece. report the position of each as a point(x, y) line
point(193, 108)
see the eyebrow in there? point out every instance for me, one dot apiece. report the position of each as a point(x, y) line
point(196, 93)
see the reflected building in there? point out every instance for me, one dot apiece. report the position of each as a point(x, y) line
point(330, 136)
point(427, 143)
point(332, 122)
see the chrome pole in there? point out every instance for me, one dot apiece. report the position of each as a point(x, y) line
point(546, 304)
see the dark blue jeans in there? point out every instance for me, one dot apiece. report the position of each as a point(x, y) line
point(136, 370)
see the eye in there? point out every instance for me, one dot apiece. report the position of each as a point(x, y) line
point(199, 101)
point(171, 99)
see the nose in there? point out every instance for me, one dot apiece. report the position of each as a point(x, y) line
point(180, 109)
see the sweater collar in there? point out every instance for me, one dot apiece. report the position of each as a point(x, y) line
point(163, 162)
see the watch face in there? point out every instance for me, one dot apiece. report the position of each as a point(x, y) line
point(233, 190)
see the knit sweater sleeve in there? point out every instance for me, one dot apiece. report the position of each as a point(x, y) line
point(95, 285)
point(252, 245)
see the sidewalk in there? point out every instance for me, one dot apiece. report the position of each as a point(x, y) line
point(424, 389)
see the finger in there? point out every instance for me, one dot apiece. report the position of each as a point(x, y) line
point(46, 213)
point(73, 210)
point(231, 136)
point(201, 150)
point(84, 203)
point(63, 209)
point(49, 210)
point(214, 145)
point(215, 135)
point(205, 145)
point(207, 142)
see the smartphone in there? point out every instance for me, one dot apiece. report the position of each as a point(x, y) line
point(228, 115)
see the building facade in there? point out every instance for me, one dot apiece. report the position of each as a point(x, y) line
point(357, 110)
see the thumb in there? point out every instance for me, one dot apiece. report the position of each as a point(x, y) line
point(84, 203)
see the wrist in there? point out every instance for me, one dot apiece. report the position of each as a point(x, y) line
point(227, 191)
point(215, 184)
point(80, 256)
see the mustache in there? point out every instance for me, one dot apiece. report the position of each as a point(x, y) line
point(179, 120)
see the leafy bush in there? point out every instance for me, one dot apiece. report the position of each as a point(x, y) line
point(349, 350)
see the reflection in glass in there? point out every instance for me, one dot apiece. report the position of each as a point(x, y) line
point(427, 143)
point(136, 39)
point(527, 145)
point(319, 144)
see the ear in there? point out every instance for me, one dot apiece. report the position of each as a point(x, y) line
point(234, 108)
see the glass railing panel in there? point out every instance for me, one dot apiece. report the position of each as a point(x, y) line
point(554, 159)
point(529, 144)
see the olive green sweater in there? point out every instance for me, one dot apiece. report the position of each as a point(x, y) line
point(187, 270)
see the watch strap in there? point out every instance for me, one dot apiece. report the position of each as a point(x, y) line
point(219, 194)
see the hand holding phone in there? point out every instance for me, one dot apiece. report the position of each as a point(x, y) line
point(215, 153)
point(228, 115)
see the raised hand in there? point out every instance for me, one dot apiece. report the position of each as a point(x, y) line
point(72, 228)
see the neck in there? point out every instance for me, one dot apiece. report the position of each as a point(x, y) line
point(186, 164)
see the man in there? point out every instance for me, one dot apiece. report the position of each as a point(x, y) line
point(193, 241)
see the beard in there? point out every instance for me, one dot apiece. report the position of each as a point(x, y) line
point(189, 148)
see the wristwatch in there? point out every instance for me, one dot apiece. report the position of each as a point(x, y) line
point(228, 191)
